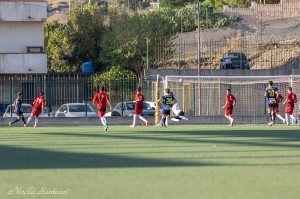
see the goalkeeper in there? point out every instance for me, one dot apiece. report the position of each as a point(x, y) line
point(179, 113)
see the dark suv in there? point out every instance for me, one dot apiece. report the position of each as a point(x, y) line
point(238, 61)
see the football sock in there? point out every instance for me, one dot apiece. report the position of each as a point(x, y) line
point(167, 121)
point(270, 116)
point(36, 121)
point(299, 117)
point(15, 121)
point(287, 118)
point(274, 117)
point(280, 117)
point(182, 117)
point(142, 118)
point(164, 121)
point(134, 120)
point(29, 119)
point(23, 118)
point(293, 118)
point(103, 121)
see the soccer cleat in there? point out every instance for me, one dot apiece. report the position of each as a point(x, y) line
point(270, 124)
point(147, 123)
point(35, 126)
point(25, 125)
point(9, 124)
point(105, 127)
point(132, 126)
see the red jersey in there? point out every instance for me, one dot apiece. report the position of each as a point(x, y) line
point(229, 99)
point(39, 102)
point(291, 98)
point(101, 99)
point(139, 98)
point(279, 99)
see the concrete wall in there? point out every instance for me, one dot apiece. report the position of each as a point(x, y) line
point(15, 36)
point(23, 11)
point(23, 63)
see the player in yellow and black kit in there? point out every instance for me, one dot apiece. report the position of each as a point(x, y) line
point(168, 100)
point(271, 94)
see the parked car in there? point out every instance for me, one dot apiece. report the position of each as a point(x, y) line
point(128, 108)
point(3, 107)
point(238, 61)
point(153, 105)
point(76, 110)
point(26, 109)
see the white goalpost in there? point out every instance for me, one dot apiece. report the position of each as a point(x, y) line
point(251, 107)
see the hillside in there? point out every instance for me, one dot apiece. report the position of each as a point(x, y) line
point(268, 44)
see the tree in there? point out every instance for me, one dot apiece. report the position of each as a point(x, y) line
point(79, 41)
point(175, 3)
point(84, 30)
point(56, 47)
point(124, 41)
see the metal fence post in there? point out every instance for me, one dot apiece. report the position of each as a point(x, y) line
point(11, 97)
point(122, 95)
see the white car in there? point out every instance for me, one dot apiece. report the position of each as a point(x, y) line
point(153, 105)
point(76, 110)
point(128, 108)
point(26, 109)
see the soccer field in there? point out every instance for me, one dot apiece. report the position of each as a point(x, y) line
point(180, 162)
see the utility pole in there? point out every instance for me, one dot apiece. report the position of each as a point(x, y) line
point(147, 61)
point(199, 55)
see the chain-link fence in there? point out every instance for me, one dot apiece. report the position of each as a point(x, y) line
point(70, 88)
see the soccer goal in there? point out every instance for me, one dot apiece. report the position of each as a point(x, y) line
point(205, 95)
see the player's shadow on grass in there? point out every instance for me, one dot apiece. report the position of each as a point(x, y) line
point(276, 139)
point(24, 158)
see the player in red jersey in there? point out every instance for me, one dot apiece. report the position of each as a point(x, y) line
point(138, 108)
point(276, 109)
point(38, 108)
point(230, 102)
point(291, 99)
point(101, 99)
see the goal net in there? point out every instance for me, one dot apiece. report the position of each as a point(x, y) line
point(204, 96)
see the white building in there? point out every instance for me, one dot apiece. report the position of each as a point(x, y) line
point(22, 36)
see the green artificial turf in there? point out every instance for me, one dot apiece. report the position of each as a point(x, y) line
point(179, 162)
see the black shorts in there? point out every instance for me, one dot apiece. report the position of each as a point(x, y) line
point(19, 113)
point(181, 113)
point(166, 112)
